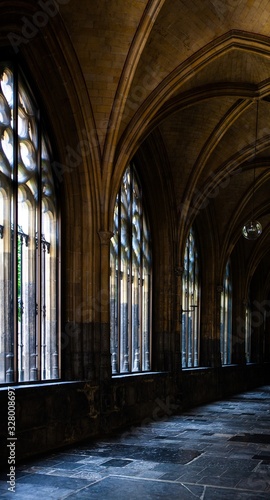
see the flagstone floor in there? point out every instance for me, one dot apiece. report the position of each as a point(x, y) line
point(213, 452)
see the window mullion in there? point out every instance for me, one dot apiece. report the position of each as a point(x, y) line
point(38, 332)
point(130, 276)
point(190, 305)
point(119, 287)
point(43, 340)
point(14, 235)
point(141, 311)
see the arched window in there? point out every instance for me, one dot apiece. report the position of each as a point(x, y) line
point(130, 280)
point(226, 318)
point(190, 304)
point(29, 330)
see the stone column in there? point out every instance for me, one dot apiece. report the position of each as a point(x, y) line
point(217, 353)
point(178, 319)
point(104, 298)
point(238, 340)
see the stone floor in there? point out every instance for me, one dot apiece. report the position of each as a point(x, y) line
point(213, 452)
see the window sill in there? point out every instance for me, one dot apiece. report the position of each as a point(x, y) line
point(229, 365)
point(137, 374)
point(39, 384)
point(197, 368)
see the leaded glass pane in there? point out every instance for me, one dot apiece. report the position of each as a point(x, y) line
point(28, 248)
point(130, 280)
point(190, 305)
point(7, 256)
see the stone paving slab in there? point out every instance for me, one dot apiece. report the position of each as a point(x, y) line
point(213, 452)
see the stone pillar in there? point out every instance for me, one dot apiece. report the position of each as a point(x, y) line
point(178, 320)
point(238, 340)
point(206, 326)
point(105, 356)
point(217, 353)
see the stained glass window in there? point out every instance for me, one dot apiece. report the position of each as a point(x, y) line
point(29, 331)
point(130, 280)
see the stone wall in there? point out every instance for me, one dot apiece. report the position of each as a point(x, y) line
point(52, 416)
point(203, 385)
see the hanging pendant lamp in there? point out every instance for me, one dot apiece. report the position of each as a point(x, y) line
point(253, 228)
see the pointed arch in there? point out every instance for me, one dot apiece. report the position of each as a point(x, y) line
point(130, 280)
point(29, 273)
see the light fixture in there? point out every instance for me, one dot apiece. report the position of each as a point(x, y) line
point(253, 228)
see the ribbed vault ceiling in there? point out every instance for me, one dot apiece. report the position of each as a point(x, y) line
point(193, 71)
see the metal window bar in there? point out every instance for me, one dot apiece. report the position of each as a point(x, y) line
point(22, 241)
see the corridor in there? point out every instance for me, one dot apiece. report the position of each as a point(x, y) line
point(216, 451)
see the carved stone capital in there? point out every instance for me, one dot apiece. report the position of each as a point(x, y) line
point(105, 237)
point(178, 271)
point(220, 289)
